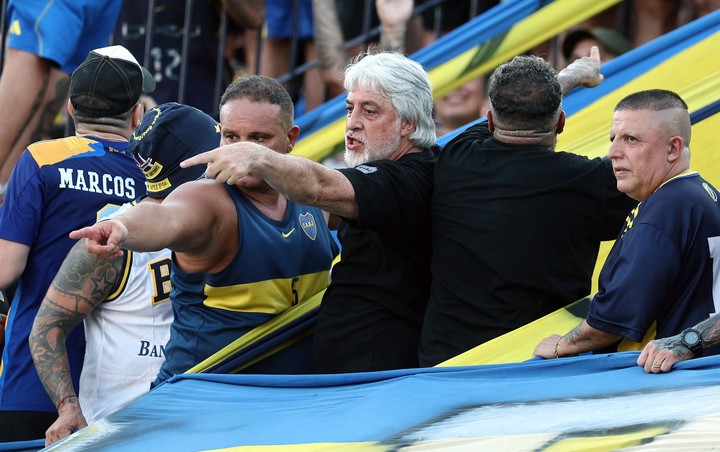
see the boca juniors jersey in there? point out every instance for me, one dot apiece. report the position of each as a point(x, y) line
point(660, 270)
point(56, 186)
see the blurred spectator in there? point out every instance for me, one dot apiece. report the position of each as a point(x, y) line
point(165, 58)
point(459, 107)
point(277, 49)
point(46, 42)
point(336, 23)
point(578, 42)
point(653, 18)
point(703, 7)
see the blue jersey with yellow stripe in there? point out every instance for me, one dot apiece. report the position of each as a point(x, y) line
point(57, 186)
point(660, 271)
point(278, 265)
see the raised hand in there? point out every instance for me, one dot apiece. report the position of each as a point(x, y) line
point(584, 71)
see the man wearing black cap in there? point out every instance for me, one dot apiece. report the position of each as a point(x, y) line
point(58, 186)
point(123, 301)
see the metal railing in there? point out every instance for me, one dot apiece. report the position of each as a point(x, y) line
point(296, 71)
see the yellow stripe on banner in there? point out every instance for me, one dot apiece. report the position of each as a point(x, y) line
point(535, 29)
point(601, 442)
point(323, 143)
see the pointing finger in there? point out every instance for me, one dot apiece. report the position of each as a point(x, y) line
point(205, 157)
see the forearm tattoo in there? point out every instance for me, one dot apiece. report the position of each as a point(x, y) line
point(710, 330)
point(82, 282)
point(573, 334)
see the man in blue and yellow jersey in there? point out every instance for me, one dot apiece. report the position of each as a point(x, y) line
point(242, 252)
point(660, 276)
point(58, 186)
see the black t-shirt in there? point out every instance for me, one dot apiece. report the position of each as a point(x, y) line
point(516, 232)
point(371, 314)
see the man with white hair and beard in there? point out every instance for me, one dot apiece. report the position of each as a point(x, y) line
point(371, 315)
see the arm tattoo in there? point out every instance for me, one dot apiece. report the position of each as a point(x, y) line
point(710, 330)
point(572, 335)
point(82, 283)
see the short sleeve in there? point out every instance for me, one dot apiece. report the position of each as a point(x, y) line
point(635, 283)
point(21, 212)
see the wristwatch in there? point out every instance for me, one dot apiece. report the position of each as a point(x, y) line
point(691, 339)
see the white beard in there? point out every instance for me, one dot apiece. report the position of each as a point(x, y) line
point(352, 159)
point(385, 147)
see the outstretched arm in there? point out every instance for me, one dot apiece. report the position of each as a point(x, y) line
point(584, 71)
point(299, 179)
point(183, 223)
point(82, 282)
point(659, 355)
point(583, 338)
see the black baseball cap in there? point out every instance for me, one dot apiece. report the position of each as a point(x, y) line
point(167, 135)
point(108, 83)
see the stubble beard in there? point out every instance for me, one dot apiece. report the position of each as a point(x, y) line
point(383, 149)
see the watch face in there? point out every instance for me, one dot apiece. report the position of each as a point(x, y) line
point(691, 338)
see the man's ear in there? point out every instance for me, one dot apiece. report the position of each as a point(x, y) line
point(293, 134)
point(137, 114)
point(676, 148)
point(491, 123)
point(406, 128)
point(561, 123)
point(70, 109)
